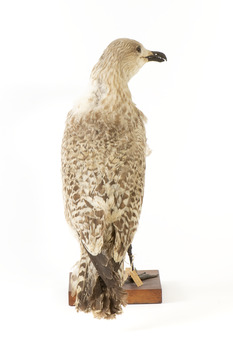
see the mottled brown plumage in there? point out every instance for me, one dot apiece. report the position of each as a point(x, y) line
point(103, 168)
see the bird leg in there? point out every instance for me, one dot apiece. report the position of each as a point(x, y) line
point(130, 254)
point(143, 275)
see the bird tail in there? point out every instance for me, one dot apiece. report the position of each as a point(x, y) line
point(92, 293)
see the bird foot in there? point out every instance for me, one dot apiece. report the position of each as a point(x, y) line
point(143, 276)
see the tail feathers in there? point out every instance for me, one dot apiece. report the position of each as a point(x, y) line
point(92, 294)
point(107, 302)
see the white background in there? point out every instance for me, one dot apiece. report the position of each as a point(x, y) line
point(48, 49)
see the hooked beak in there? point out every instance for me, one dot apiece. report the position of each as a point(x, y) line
point(156, 56)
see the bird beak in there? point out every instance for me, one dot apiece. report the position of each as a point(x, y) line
point(156, 56)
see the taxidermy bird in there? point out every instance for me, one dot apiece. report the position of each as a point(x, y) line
point(103, 167)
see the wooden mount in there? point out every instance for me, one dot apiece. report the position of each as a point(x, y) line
point(149, 293)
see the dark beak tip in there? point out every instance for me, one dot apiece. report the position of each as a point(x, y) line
point(157, 56)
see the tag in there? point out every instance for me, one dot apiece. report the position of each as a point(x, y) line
point(127, 271)
point(134, 276)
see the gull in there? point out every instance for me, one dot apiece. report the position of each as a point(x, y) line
point(103, 171)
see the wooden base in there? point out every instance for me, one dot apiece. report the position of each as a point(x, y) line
point(149, 293)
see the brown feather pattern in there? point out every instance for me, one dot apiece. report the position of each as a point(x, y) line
point(103, 167)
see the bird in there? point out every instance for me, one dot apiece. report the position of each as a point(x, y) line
point(103, 161)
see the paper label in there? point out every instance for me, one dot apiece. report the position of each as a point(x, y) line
point(134, 276)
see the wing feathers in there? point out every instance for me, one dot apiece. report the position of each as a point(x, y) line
point(107, 268)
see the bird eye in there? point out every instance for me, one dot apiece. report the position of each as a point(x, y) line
point(139, 49)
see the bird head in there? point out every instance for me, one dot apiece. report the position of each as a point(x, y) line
point(124, 58)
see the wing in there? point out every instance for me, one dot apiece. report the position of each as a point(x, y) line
point(103, 180)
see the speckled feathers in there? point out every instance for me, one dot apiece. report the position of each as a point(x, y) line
point(103, 168)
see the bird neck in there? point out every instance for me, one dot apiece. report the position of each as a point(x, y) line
point(109, 87)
